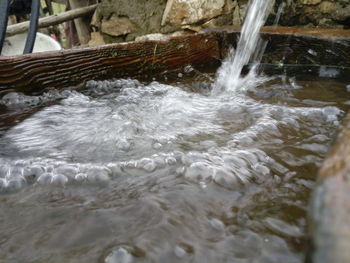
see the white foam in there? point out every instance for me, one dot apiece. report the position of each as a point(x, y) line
point(87, 139)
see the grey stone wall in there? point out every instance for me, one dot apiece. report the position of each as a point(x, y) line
point(125, 20)
point(317, 13)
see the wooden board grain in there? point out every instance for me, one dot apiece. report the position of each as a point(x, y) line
point(29, 73)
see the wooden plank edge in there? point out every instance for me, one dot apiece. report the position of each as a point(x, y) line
point(70, 67)
point(329, 215)
point(37, 71)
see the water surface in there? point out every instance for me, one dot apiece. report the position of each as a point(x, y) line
point(125, 171)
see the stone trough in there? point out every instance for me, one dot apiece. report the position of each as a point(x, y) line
point(287, 49)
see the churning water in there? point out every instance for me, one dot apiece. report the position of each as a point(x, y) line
point(132, 172)
point(250, 48)
point(126, 171)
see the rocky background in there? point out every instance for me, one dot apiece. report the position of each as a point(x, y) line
point(127, 20)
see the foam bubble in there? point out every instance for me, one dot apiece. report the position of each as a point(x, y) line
point(80, 177)
point(199, 171)
point(45, 178)
point(119, 255)
point(59, 179)
point(122, 127)
point(98, 175)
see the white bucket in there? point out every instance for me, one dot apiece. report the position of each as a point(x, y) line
point(14, 45)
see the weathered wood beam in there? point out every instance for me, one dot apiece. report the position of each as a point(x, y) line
point(51, 20)
point(35, 72)
point(82, 26)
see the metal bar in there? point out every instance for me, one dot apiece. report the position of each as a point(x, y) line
point(4, 11)
point(33, 27)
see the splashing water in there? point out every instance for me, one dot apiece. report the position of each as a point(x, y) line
point(208, 171)
point(248, 48)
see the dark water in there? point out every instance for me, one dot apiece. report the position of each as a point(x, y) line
point(132, 172)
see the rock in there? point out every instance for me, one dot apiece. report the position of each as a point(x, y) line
point(95, 22)
point(236, 18)
point(341, 14)
point(327, 7)
point(125, 20)
point(181, 12)
point(144, 15)
point(218, 21)
point(148, 37)
point(319, 13)
point(117, 26)
point(96, 39)
point(311, 2)
point(229, 6)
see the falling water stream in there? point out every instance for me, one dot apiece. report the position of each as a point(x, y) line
point(190, 170)
point(249, 49)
